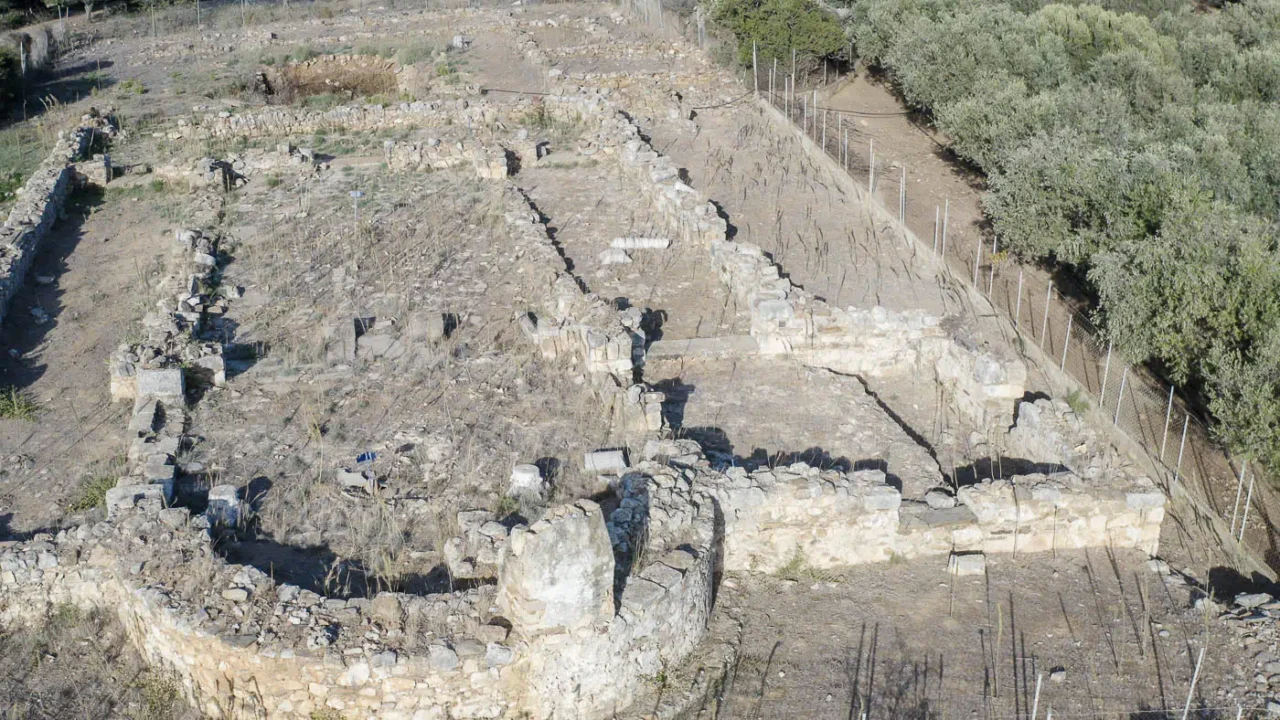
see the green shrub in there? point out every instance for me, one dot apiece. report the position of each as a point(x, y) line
point(1137, 150)
point(778, 26)
point(302, 53)
point(10, 181)
point(16, 405)
point(132, 87)
point(92, 494)
point(415, 53)
point(324, 101)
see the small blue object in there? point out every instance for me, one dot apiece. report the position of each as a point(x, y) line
point(366, 457)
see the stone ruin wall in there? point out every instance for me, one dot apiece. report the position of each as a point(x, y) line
point(285, 121)
point(786, 320)
point(40, 203)
point(830, 519)
point(244, 644)
point(641, 576)
point(582, 329)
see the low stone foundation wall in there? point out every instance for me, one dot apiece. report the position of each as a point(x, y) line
point(786, 320)
point(244, 645)
point(286, 121)
point(579, 328)
point(825, 518)
point(39, 204)
point(490, 163)
point(575, 614)
point(1039, 513)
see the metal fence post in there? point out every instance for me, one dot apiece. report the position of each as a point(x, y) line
point(846, 151)
point(755, 67)
point(1044, 327)
point(824, 130)
point(1186, 709)
point(1120, 397)
point(1244, 519)
point(902, 196)
point(937, 218)
point(793, 70)
point(991, 280)
point(871, 166)
point(1035, 705)
point(1017, 312)
point(946, 214)
point(977, 264)
point(1177, 472)
point(1066, 342)
point(1168, 413)
point(1106, 373)
point(1235, 509)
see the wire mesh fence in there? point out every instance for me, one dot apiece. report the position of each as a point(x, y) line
point(1145, 408)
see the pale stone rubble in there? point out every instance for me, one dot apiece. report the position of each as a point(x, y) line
point(168, 359)
point(284, 121)
point(569, 615)
point(1254, 617)
point(235, 169)
point(489, 162)
point(41, 198)
point(582, 330)
point(785, 320)
point(549, 640)
point(1050, 431)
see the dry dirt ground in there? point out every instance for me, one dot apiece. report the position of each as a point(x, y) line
point(80, 304)
point(444, 424)
point(904, 640)
point(81, 665)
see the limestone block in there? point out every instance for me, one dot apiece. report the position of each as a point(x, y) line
point(640, 243)
point(128, 497)
point(429, 327)
point(210, 370)
point(527, 482)
point(340, 342)
point(974, 563)
point(604, 461)
point(940, 499)
point(124, 384)
point(166, 384)
point(558, 574)
point(224, 506)
point(882, 498)
point(1145, 500)
point(614, 256)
